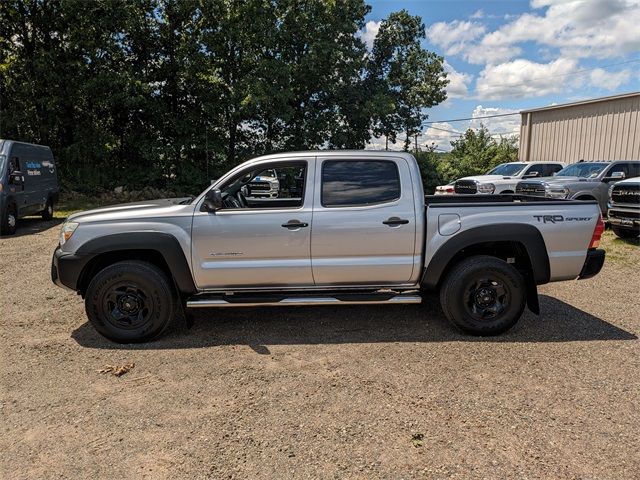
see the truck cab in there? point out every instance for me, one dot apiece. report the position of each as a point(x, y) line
point(28, 183)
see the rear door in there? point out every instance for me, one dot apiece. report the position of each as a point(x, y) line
point(364, 222)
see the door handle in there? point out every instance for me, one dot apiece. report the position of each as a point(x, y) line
point(295, 224)
point(395, 221)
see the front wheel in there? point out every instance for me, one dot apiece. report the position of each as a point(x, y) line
point(130, 302)
point(483, 295)
point(9, 220)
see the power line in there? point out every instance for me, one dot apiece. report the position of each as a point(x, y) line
point(577, 72)
point(472, 118)
point(445, 130)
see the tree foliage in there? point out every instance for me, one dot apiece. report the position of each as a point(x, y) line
point(170, 93)
point(477, 152)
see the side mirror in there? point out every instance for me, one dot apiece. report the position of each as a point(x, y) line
point(614, 177)
point(213, 200)
point(531, 175)
point(17, 179)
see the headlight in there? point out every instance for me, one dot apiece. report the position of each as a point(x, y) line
point(67, 231)
point(486, 188)
point(555, 192)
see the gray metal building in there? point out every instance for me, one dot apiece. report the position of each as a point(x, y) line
point(605, 128)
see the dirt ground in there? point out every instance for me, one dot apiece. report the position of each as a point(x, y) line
point(322, 392)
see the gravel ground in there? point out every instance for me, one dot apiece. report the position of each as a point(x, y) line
point(320, 392)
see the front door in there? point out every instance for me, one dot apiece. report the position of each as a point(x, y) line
point(364, 224)
point(262, 235)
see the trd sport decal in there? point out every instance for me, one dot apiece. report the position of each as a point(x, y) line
point(559, 218)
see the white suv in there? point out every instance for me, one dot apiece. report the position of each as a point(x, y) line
point(504, 177)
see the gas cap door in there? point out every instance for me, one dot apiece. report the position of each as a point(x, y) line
point(448, 223)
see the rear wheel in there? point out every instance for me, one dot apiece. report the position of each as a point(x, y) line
point(625, 232)
point(483, 295)
point(47, 213)
point(130, 302)
point(9, 220)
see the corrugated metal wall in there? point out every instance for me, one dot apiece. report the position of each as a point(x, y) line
point(603, 130)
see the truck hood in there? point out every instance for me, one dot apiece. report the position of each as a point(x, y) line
point(487, 178)
point(147, 208)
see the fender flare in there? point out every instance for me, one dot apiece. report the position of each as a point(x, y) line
point(527, 235)
point(165, 244)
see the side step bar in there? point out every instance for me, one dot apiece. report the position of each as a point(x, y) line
point(204, 300)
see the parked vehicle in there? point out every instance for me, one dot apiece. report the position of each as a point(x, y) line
point(447, 189)
point(264, 185)
point(28, 183)
point(504, 177)
point(361, 232)
point(624, 208)
point(582, 181)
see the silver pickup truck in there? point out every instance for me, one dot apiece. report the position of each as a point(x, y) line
point(359, 231)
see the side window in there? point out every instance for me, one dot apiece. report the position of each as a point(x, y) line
point(634, 169)
point(538, 168)
point(552, 168)
point(278, 186)
point(359, 183)
point(620, 167)
point(14, 165)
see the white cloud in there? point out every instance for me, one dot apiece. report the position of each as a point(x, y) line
point(600, 78)
point(524, 78)
point(454, 37)
point(578, 29)
point(368, 35)
point(568, 28)
point(458, 86)
point(506, 125)
point(441, 134)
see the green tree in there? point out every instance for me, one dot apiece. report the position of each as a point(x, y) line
point(475, 153)
point(170, 93)
point(405, 78)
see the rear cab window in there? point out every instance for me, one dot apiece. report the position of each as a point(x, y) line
point(351, 183)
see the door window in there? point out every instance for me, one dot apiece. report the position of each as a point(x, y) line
point(552, 168)
point(278, 186)
point(620, 167)
point(533, 169)
point(359, 183)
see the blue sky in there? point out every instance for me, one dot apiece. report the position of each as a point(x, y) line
point(505, 56)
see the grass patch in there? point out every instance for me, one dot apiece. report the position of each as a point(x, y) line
point(621, 251)
point(68, 205)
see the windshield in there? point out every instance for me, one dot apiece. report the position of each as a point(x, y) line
point(583, 170)
point(507, 169)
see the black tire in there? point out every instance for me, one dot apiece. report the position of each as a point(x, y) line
point(483, 295)
point(47, 213)
point(625, 232)
point(9, 220)
point(130, 302)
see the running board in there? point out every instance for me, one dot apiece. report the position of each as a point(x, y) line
point(238, 300)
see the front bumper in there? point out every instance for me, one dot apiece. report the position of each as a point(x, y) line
point(66, 269)
point(593, 263)
point(624, 217)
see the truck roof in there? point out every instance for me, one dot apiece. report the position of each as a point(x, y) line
point(338, 153)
